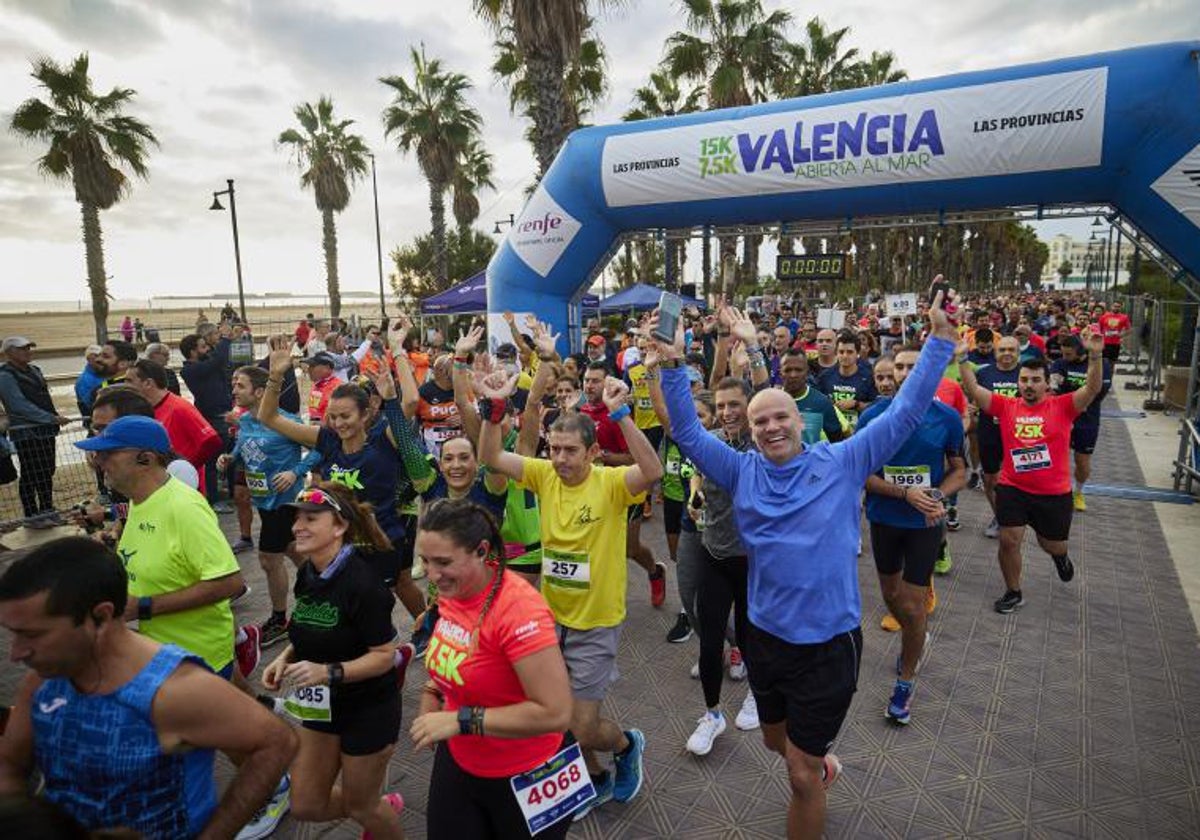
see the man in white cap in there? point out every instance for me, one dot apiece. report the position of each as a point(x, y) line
point(33, 426)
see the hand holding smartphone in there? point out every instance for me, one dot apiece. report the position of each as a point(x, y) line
point(670, 307)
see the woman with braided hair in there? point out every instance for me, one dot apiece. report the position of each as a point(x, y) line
point(498, 702)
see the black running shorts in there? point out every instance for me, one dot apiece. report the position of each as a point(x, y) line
point(1083, 440)
point(910, 550)
point(991, 451)
point(807, 686)
point(1049, 516)
point(276, 532)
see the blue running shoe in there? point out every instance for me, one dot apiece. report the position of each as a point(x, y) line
point(897, 710)
point(604, 793)
point(629, 767)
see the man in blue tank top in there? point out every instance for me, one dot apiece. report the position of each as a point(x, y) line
point(122, 728)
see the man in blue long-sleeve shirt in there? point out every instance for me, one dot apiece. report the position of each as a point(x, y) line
point(797, 508)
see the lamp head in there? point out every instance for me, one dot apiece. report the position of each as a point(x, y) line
point(216, 205)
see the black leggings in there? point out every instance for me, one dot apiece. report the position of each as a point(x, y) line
point(722, 585)
point(462, 806)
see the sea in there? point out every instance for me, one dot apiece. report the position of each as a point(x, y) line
point(181, 303)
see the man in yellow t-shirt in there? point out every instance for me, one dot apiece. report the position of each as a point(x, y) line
point(583, 509)
point(181, 569)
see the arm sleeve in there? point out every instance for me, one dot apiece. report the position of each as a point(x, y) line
point(409, 447)
point(867, 450)
point(16, 403)
point(362, 350)
point(307, 464)
point(712, 457)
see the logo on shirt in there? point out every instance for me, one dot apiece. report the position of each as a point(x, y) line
point(146, 527)
point(126, 556)
point(53, 706)
point(585, 516)
point(1030, 428)
point(346, 478)
point(444, 655)
point(323, 615)
point(527, 629)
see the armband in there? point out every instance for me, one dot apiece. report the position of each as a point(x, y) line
point(492, 409)
point(145, 608)
point(620, 414)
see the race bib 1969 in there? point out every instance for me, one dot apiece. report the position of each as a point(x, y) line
point(554, 790)
point(917, 477)
point(568, 569)
point(309, 703)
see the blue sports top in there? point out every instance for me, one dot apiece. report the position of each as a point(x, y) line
point(940, 434)
point(265, 453)
point(103, 764)
point(799, 520)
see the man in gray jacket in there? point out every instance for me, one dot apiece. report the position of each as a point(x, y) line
point(33, 426)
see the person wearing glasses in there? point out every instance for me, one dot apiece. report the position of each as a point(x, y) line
point(337, 674)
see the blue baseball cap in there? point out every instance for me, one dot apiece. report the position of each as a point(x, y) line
point(130, 432)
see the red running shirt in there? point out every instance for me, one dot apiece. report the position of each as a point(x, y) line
point(1036, 442)
point(608, 433)
point(518, 624)
point(1112, 324)
point(951, 393)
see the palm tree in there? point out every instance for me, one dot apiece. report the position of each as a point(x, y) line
point(430, 116)
point(472, 174)
point(878, 69)
point(547, 35)
point(330, 160)
point(819, 64)
point(90, 138)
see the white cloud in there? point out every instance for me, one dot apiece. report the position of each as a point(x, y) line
point(218, 81)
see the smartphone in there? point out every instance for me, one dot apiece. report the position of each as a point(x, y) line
point(942, 286)
point(670, 307)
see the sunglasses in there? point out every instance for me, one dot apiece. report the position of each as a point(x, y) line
point(318, 496)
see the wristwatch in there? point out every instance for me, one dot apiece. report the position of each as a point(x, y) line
point(670, 363)
point(936, 494)
point(336, 672)
point(464, 720)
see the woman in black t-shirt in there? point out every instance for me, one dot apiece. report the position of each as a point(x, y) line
point(338, 673)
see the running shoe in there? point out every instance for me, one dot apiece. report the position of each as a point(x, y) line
point(267, 818)
point(943, 563)
point(604, 793)
point(831, 770)
point(930, 599)
point(1077, 498)
point(1064, 567)
point(952, 523)
point(889, 623)
point(249, 650)
point(1009, 602)
point(682, 631)
point(737, 665)
point(395, 801)
point(273, 704)
point(658, 585)
point(630, 773)
point(898, 706)
point(695, 672)
point(222, 509)
point(747, 716)
point(243, 545)
point(974, 480)
point(273, 630)
point(708, 727)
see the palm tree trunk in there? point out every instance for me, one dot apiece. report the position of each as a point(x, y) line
point(706, 265)
point(546, 79)
point(93, 244)
point(329, 243)
point(437, 219)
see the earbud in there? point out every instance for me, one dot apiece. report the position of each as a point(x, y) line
point(144, 460)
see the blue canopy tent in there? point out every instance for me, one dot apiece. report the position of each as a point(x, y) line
point(638, 298)
point(470, 297)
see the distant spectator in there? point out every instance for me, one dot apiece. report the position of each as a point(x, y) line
point(127, 329)
point(89, 380)
point(303, 329)
point(116, 357)
point(33, 426)
point(139, 330)
point(320, 373)
point(206, 372)
point(316, 339)
point(161, 353)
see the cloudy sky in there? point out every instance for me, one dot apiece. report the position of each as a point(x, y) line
point(218, 80)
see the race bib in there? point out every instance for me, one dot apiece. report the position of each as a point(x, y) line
point(257, 483)
point(309, 703)
point(569, 569)
point(554, 790)
point(1031, 458)
point(917, 477)
point(644, 404)
point(673, 467)
point(441, 434)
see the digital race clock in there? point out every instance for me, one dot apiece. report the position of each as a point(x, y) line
point(811, 266)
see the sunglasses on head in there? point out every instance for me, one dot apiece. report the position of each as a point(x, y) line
point(317, 496)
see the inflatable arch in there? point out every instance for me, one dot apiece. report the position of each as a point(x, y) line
point(1119, 128)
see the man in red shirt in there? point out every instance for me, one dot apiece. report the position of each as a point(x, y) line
point(1114, 325)
point(320, 373)
point(192, 437)
point(1035, 476)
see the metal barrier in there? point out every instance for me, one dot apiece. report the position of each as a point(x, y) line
point(50, 475)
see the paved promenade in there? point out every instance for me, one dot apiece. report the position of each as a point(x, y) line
point(1077, 716)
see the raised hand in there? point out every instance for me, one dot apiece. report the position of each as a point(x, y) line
point(741, 327)
point(1094, 341)
point(468, 341)
point(497, 385)
point(942, 326)
point(280, 362)
point(545, 342)
point(385, 384)
point(615, 394)
point(675, 349)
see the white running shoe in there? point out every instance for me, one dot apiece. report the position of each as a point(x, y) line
point(747, 716)
point(695, 672)
point(737, 665)
point(267, 819)
point(708, 728)
point(992, 531)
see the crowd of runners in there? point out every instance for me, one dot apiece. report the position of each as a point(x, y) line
point(497, 499)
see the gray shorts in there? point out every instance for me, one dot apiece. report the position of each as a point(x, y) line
point(591, 657)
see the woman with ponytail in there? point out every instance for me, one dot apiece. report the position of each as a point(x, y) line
point(337, 674)
point(498, 701)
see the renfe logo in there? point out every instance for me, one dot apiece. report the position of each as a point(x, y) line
point(543, 225)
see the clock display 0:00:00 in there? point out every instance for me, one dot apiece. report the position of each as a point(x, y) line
point(823, 267)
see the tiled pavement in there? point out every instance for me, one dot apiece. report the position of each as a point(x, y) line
point(1074, 717)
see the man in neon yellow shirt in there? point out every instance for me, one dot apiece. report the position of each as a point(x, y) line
point(181, 569)
point(583, 509)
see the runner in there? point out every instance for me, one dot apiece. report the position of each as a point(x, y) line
point(337, 672)
point(906, 511)
point(435, 409)
point(822, 421)
point(848, 384)
point(1035, 478)
point(583, 573)
point(497, 703)
point(1115, 326)
point(825, 357)
point(1001, 378)
point(794, 501)
point(123, 729)
point(1067, 375)
point(324, 382)
point(275, 468)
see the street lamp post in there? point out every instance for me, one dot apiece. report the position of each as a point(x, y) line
point(237, 249)
point(509, 222)
point(378, 240)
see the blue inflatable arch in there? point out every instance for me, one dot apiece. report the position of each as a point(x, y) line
point(1119, 128)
